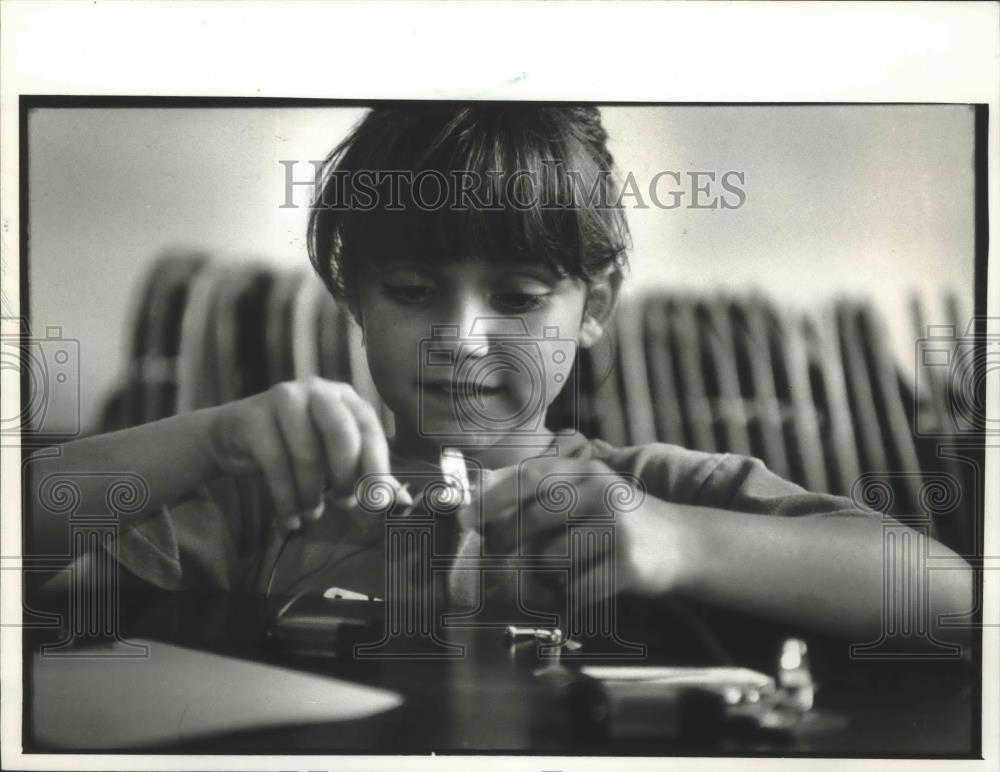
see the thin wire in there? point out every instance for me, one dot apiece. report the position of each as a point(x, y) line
point(710, 640)
point(326, 566)
point(323, 567)
point(274, 565)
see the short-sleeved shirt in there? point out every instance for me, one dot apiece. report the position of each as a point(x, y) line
point(223, 536)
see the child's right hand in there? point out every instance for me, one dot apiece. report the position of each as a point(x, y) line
point(305, 437)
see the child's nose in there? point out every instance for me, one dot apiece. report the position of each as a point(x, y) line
point(480, 332)
point(475, 322)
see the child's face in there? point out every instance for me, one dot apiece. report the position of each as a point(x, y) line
point(518, 327)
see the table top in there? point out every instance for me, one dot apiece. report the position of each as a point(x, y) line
point(494, 697)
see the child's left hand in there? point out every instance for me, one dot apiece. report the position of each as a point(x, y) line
point(546, 494)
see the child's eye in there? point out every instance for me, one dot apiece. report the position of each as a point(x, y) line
point(409, 293)
point(521, 301)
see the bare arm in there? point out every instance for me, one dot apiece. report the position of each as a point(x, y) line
point(821, 573)
point(302, 437)
point(171, 457)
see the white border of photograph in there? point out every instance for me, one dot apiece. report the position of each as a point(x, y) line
point(597, 51)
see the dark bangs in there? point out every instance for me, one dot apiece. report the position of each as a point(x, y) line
point(506, 183)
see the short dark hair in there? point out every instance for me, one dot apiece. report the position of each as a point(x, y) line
point(568, 220)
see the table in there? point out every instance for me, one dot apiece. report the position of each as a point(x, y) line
point(491, 699)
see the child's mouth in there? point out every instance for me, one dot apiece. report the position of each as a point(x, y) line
point(452, 389)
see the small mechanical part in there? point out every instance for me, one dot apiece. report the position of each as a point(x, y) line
point(548, 635)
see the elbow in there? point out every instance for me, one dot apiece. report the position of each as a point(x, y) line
point(953, 603)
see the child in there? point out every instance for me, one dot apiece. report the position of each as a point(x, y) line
point(525, 240)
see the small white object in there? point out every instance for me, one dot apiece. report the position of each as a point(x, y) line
point(794, 674)
point(793, 659)
point(724, 677)
point(456, 474)
point(547, 634)
point(339, 593)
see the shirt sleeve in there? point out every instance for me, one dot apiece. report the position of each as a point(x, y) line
point(721, 480)
point(210, 539)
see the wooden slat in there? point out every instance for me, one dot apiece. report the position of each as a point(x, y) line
point(861, 396)
point(280, 307)
point(937, 427)
point(636, 398)
point(253, 375)
point(662, 378)
point(157, 368)
point(231, 326)
point(695, 407)
point(718, 353)
point(840, 448)
point(196, 384)
point(805, 419)
point(753, 355)
point(584, 419)
point(896, 435)
point(134, 395)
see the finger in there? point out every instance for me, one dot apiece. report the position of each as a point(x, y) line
point(593, 562)
point(598, 580)
point(527, 532)
point(340, 438)
point(271, 459)
point(504, 495)
point(374, 455)
point(303, 448)
point(543, 478)
point(594, 571)
point(374, 445)
point(556, 485)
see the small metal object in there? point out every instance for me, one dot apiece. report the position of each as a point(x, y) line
point(548, 635)
point(512, 632)
point(795, 675)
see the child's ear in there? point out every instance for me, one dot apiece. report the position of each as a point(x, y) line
point(602, 298)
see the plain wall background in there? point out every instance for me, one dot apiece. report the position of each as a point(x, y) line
point(871, 201)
